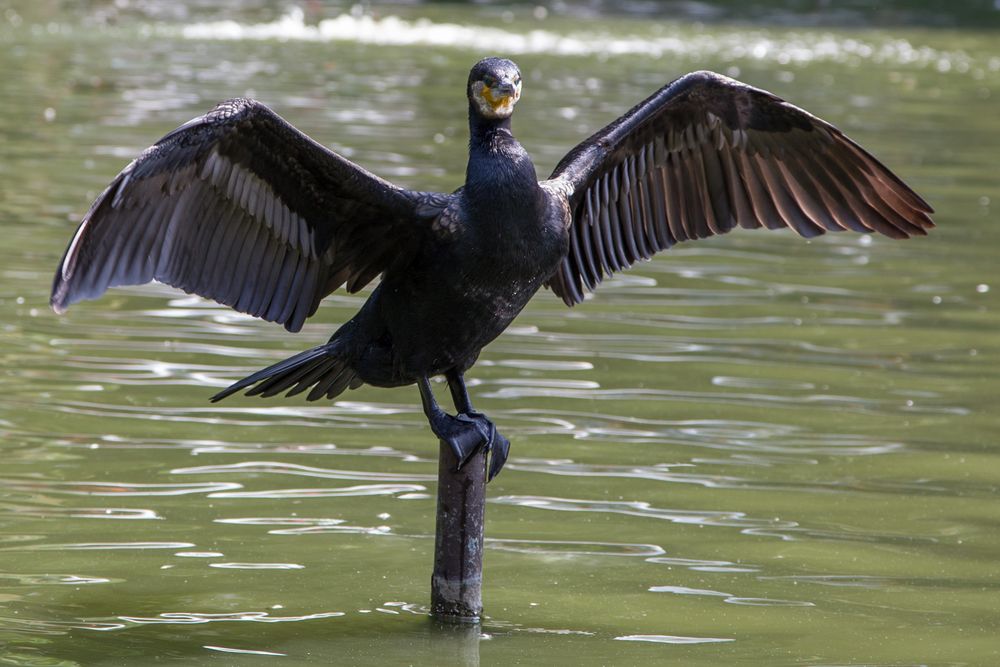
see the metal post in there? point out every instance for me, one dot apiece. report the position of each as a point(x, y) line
point(456, 585)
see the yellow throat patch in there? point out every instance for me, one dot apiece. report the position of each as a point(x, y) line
point(492, 104)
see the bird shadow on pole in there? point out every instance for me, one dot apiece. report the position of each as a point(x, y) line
point(456, 584)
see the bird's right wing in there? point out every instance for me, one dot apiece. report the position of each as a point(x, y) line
point(240, 207)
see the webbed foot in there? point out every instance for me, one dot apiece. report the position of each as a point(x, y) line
point(464, 434)
point(497, 446)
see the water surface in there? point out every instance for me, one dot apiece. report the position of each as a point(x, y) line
point(752, 450)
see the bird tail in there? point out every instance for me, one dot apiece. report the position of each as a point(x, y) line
point(323, 368)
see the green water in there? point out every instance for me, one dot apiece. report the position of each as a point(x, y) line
point(752, 450)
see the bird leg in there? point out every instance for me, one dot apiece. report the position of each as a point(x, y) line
point(464, 434)
point(498, 446)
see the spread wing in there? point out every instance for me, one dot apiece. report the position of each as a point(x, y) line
point(240, 207)
point(705, 154)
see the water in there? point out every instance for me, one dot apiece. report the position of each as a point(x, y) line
point(752, 450)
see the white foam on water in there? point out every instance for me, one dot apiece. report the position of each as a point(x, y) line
point(674, 40)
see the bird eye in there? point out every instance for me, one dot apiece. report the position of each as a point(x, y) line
point(489, 80)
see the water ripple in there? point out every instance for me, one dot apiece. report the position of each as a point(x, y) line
point(758, 437)
point(241, 651)
point(257, 566)
point(663, 472)
point(645, 510)
point(117, 488)
point(305, 526)
point(672, 639)
point(301, 470)
point(767, 602)
point(49, 579)
point(760, 383)
point(341, 414)
point(360, 490)
point(837, 580)
point(101, 546)
point(47, 512)
point(659, 472)
point(698, 565)
point(859, 404)
point(574, 548)
point(684, 590)
point(554, 631)
point(207, 446)
point(731, 599)
point(199, 554)
point(46, 627)
point(194, 618)
point(781, 529)
point(251, 448)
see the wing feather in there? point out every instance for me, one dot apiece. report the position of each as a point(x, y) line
point(239, 206)
point(675, 214)
point(585, 270)
point(658, 198)
point(705, 154)
point(720, 219)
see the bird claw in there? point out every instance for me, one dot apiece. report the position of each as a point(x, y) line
point(499, 448)
point(464, 435)
point(496, 445)
point(467, 433)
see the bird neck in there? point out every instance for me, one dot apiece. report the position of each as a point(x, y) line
point(479, 125)
point(498, 164)
point(490, 136)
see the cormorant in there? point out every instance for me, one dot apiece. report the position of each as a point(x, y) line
point(240, 207)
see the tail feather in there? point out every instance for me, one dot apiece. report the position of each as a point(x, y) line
point(317, 374)
point(276, 384)
point(331, 385)
point(322, 366)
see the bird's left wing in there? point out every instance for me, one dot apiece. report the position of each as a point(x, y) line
point(240, 207)
point(703, 155)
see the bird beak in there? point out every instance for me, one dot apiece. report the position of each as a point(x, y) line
point(505, 89)
point(503, 95)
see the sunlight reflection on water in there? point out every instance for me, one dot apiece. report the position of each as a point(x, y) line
point(673, 639)
point(756, 45)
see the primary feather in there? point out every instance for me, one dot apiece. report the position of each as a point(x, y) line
point(706, 154)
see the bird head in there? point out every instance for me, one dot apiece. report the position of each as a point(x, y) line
point(494, 87)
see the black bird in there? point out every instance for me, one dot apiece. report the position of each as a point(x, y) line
point(239, 206)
